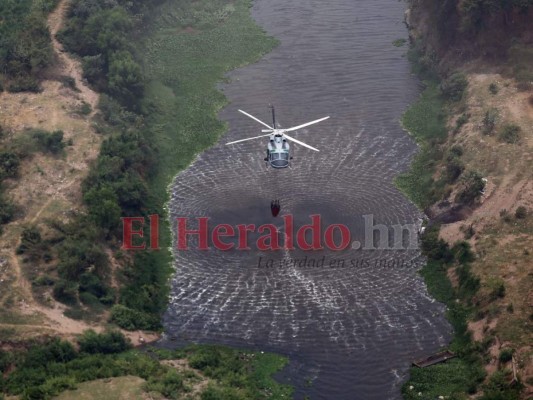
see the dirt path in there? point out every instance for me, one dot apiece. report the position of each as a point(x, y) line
point(71, 66)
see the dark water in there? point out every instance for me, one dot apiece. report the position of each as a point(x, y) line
point(350, 332)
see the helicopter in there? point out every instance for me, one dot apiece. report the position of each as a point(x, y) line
point(278, 149)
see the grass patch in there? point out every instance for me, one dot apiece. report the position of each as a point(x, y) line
point(126, 387)
point(399, 42)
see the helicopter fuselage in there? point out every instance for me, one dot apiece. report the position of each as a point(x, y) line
point(278, 151)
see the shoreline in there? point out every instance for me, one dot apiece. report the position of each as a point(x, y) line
point(464, 272)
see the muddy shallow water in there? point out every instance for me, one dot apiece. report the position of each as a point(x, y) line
point(350, 331)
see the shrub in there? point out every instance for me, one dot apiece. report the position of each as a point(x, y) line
point(473, 184)
point(469, 284)
point(90, 283)
point(498, 291)
point(510, 134)
point(454, 87)
point(56, 385)
point(456, 151)
point(462, 120)
point(131, 320)
point(24, 84)
point(434, 247)
point(454, 169)
point(103, 206)
point(489, 121)
point(69, 82)
point(504, 215)
point(85, 109)
point(6, 360)
point(103, 343)
point(469, 232)
point(206, 357)
point(521, 212)
point(79, 255)
point(49, 142)
point(169, 385)
point(9, 164)
point(43, 280)
point(31, 243)
point(65, 292)
point(7, 210)
point(500, 387)
point(463, 252)
point(43, 354)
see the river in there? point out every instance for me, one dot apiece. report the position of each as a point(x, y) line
point(350, 332)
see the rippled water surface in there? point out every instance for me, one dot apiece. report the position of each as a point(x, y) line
point(350, 332)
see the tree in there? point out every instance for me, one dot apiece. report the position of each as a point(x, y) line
point(125, 77)
point(104, 343)
point(103, 206)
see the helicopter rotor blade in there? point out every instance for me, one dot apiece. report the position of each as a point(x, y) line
point(255, 119)
point(244, 140)
point(300, 143)
point(294, 128)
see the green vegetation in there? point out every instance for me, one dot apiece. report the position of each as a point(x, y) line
point(506, 355)
point(453, 88)
point(238, 375)
point(399, 42)
point(158, 111)
point(85, 109)
point(25, 44)
point(119, 388)
point(500, 387)
point(461, 121)
point(100, 33)
point(489, 121)
point(51, 142)
point(463, 374)
point(9, 167)
point(426, 121)
point(47, 369)
point(471, 187)
point(510, 134)
point(521, 212)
